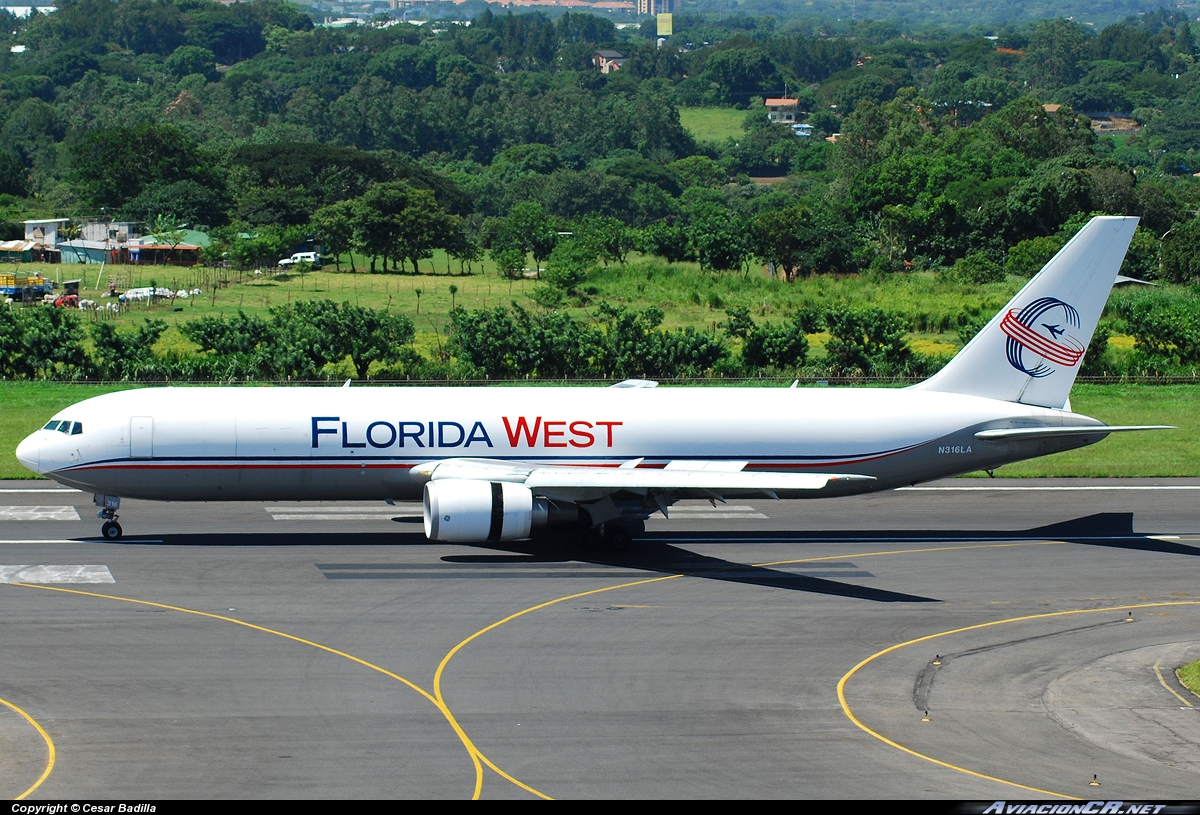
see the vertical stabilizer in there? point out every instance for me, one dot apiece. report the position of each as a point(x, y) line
point(1030, 352)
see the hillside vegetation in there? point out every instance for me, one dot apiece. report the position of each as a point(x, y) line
point(448, 171)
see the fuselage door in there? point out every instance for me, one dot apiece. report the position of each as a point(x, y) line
point(141, 437)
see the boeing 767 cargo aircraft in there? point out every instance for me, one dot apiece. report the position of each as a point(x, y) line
point(497, 463)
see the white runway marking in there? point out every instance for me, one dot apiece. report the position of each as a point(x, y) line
point(1040, 488)
point(56, 574)
point(38, 514)
point(734, 512)
point(41, 540)
point(17, 541)
point(319, 513)
point(51, 489)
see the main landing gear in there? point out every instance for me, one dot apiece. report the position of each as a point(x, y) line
point(111, 530)
point(617, 535)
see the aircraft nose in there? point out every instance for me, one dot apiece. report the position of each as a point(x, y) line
point(29, 453)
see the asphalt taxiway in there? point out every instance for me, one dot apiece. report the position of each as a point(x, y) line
point(754, 649)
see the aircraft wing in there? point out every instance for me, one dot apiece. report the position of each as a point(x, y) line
point(710, 478)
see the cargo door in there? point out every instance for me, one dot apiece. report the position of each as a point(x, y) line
point(141, 437)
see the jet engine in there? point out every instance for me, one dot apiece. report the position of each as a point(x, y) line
point(467, 511)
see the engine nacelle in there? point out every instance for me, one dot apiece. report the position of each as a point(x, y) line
point(467, 511)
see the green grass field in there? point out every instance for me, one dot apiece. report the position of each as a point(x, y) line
point(687, 295)
point(29, 405)
point(1153, 453)
point(712, 124)
point(1189, 675)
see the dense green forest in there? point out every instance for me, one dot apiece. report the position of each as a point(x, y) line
point(968, 153)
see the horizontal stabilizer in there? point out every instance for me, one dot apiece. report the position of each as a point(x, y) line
point(1008, 433)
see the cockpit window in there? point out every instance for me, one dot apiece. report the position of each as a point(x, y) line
point(76, 428)
point(51, 425)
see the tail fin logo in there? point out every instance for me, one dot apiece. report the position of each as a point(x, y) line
point(1041, 329)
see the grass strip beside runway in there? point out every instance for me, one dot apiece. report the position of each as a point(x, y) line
point(1189, 675)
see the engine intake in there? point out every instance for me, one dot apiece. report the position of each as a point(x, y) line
point(469, 511)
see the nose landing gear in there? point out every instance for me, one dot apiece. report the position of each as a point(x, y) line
point(111, 530)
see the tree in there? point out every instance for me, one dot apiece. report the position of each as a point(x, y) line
point(699, 170)
point(168, 231)
point(460, 244)
point(187, 201)
point(608, 236)
point(861, 142)
point(192, 59)
point(335, 226)
point(868, 342)
point(530, 229)
point(408, 65)
point(41, 343)
point(803, 239)
point(396, 220)
point(241, 334)
point(668, 239)
point(718, 236)
point(509, 261)
point(324, 172)
point(1027, 258)
point(32, 131)
point(781, 346)
point(422, 226)
point(741, 73)
point(13, 176)
point(1052, 59)
point(1185, 42)
point(370, 335)
point(110, 167)
point(301, 338)
point(1041, 203)
point(780, 238)
point(490, 341)
point(1180, 261)
point(1165, 330)
point(125, 354)
point(569, 263)
point(1029, 128)
point(149, 27)
point(635, 346)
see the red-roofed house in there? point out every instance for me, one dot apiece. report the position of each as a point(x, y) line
point(782, 110)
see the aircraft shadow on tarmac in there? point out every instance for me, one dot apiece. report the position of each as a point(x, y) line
point(650, 555)
point(655, 552)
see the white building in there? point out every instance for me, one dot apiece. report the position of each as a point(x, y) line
point(44, 232)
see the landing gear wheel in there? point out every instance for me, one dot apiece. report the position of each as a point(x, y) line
point(111, 530)
point(617, 537)
point(587, 539)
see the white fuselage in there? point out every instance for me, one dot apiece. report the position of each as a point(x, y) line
point(201, 443)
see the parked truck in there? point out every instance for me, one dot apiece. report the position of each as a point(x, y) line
point(21, 286)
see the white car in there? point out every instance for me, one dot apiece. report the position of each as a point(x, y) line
point(310, 257)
